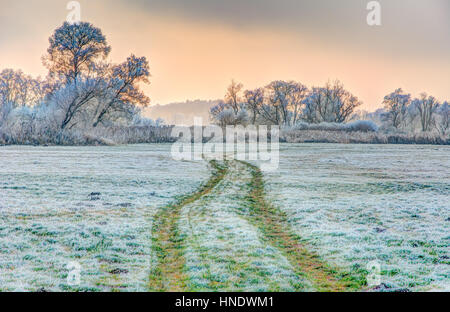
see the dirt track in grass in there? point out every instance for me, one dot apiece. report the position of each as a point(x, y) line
point(167, 241)
point(273, 224)
point(228, 237)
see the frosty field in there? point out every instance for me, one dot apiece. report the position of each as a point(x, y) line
point(136, 220)
point(353, 204)
point(49, 218)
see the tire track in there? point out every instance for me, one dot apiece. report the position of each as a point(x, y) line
point(214, 241)
point(273, 224)
point(224, 251)
point(167, 242)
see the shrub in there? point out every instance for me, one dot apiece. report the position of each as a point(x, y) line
point(356, 126)
point(362, 126)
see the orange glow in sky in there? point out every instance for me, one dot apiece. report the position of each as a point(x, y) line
point(194, 56)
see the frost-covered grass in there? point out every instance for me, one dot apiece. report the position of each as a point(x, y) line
point(50, 215)
point(318, 134)
point(349, 204)
point(357, 203)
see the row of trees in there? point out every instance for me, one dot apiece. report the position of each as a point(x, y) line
point(288, 103)
point(285, 103)
point(401, 111)
point(82, 89)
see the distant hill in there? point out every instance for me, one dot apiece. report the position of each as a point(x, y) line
point(181, 113)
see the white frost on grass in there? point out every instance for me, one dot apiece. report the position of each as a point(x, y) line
point(224, 251)
point(357, 203)
point(48, 217)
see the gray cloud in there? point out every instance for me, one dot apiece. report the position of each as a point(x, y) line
point(246, 13)
point(414, 26)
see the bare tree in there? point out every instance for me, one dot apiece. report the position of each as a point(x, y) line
point(426, 107)
point(217, 109)
point(75, 50)
point(232, 97)
point(443, 124)
point(254, 100)
point(296, 97)
point(340, 103)
point(396, 105)
point(74, 59)
point(331, 103)
point(311, 105)
point(123, 94)
point(278, 98)
point(73, 99)
point(19, 89)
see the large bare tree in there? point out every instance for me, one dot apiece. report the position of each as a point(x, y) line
point(426, 107)
point(18, 89)
point(74, 60)
point(232, 97)
point(123, 94)
point(396, 106)
point(331, 103)
point(296, 98)
point(254, 99)
point(75, 50)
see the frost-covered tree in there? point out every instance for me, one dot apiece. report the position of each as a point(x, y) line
point(360, 114)
point(75, 50)
point(232, 109)
point(286, 100)
point(85, 85)
point(339, 103)
point(5, 111)
point(217, 109)
point(344, 103)
point(71, 102)
point(426, 107)
point(396, 106)
point(19, 89)
point(278, 102)
point(222, 114)
point(443, 123)
point(254, 99)
point(331, 103)
point(232, 96)
point(141, 121)
point(226, 117)
point(123, 94)
point(75, 60)
point(311, 104)
point(296, 97)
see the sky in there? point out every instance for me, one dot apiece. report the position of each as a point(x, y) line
point(195, 47)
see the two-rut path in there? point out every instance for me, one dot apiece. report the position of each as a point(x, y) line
point(228, 237)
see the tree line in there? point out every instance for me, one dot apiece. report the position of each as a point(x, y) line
point(290, 103)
